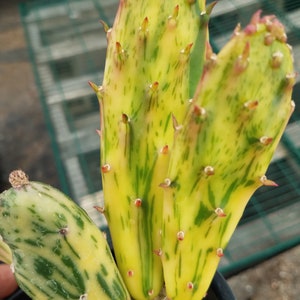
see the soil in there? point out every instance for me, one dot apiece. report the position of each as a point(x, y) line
point(276, 279)
point(25, 144)
point(24, 140)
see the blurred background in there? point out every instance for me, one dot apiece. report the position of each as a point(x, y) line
point(49, 50)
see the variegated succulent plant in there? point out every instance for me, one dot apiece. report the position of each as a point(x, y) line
point(186, 138)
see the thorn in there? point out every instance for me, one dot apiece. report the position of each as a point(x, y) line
point(98, 131)
point(265, 140)
point(130, 273)
point(150, 292)
point(83, 297)
point(187, 50)
point(283, 38)
point(154, 86)
point(279, 31)
point(119, 48)
point(125, 119)
point(180, 235)
point(293, 105)
point(105, 25)
point(256, 17)
point(172, 19)
point(97, 89)
point(220, 213)
point(94, 86)
point(209, 170)
point(138, 202)
point(158, 252)
point(277, 58)
point(290, 79)
point(251, 104)
point(120, 54)
point(243, 60)
point(268, 39)
point(99, 209)
point(220, 252)
point(164, 149)
point(211, 57)
point(275, 27)
point(199, 111)
point(105, 168)
point(266, 182)
point(175, 13)
point(18, 179)
point(209, 8)
point(190, 285)
point(250, 29)
point(176, 126)
point(290, 47)
point(166, 184)
point(64, 231)
point(145, 24)
point(144, 28)
point(268, 21)
point(237, 30)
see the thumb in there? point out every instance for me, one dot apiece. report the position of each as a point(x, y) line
point(8, 283)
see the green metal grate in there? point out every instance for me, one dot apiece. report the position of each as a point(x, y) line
point(67, 47)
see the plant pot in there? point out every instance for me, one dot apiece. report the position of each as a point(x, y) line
point(219, 290)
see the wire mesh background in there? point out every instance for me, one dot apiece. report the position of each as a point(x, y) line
point(67, 47)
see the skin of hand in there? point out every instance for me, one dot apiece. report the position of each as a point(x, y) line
point(8, 283)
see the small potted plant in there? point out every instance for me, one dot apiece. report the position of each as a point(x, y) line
point(186, 138)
